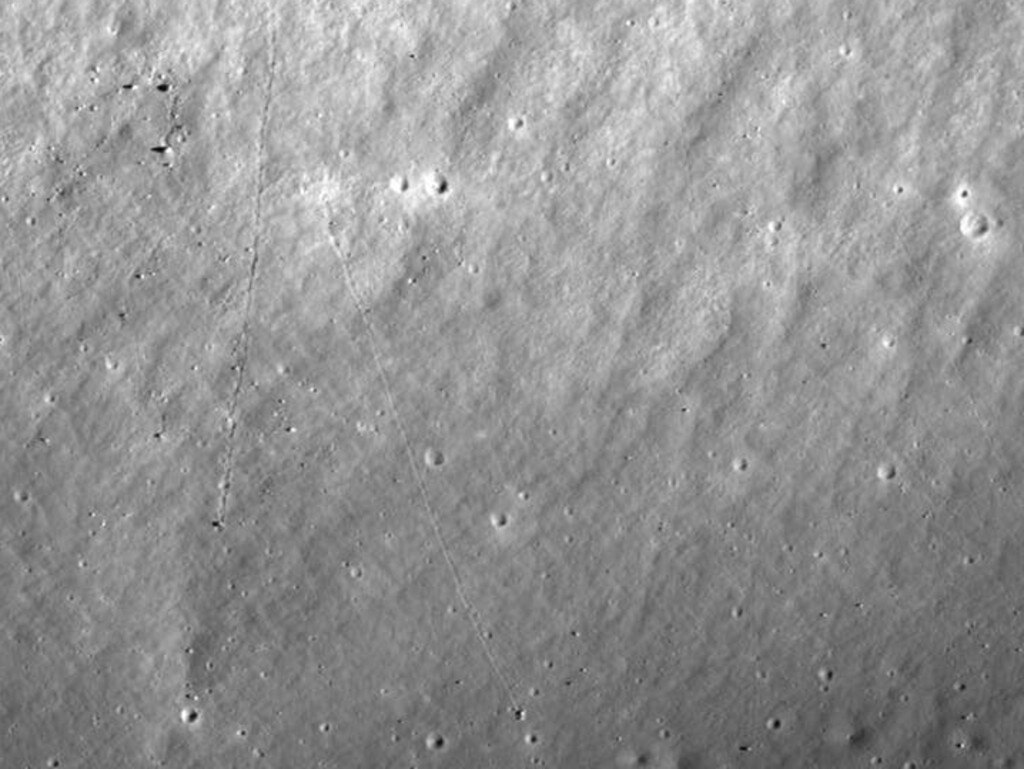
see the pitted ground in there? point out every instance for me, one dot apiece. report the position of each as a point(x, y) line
point(487, 384)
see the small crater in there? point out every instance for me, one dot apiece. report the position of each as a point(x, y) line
point(399, 184)
point(166, 153)
point(531, 738)
point(190, 716)
point(631, 758)
point(436, 183)
point(516, 123)
point(435, 741)
point(773, 724)
point(886, 471)
point(740, 464)
point(433, 457)
point(974, 225)
point(857, 737)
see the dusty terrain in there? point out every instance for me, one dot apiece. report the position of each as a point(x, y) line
point(497, 384)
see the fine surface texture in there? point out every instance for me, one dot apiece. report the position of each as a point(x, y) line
point(511, 384)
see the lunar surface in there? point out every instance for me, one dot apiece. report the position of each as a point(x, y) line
point(541, 383)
